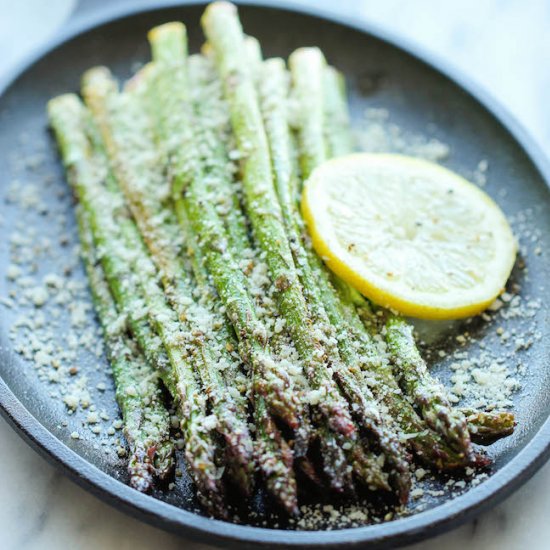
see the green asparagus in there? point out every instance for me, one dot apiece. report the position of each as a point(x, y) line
point(224, 33)
point(486, 427)
point(313, 84)
point(116, 236)
point(428, 394)
point(335, 467)
point(199, 180)
point(273, 89)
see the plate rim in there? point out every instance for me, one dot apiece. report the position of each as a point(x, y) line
point(160, 514)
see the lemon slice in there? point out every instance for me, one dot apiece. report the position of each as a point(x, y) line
point(409, 234)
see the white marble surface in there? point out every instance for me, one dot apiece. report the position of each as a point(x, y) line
point(502, 44)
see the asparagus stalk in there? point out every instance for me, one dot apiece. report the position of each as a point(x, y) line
point(239, 442)
point(146, 420)
point(280, 262)
point(486, 427)
point(273, 89)
point(482, 427)
point(195, 164)
point(275, 458)
point(69, 122)
point(135, 379)
point(313, 82)
point(211, 109)
point(117, 237)
point(239, 451)
point(336, 467)
point(224, 33)
point(428, 394)
point(337, 123)
point(123, 283)
point(125, 130)
point(272, 92)
point(201, 179)
point(186, 151)
point(197, 426)
point(318, 114)
point(308, 68)
point(304, 434)
point(334, 463)
point(138, 173)
point(428, 445)
point(378, 373)
point(225, 386)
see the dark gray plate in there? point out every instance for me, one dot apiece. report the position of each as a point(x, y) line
point(383, 73)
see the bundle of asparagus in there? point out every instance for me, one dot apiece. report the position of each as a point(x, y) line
point(205, 281)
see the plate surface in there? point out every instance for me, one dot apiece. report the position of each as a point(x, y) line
point(383, 78)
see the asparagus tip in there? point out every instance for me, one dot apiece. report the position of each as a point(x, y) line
point(141, 471)
point(163, 460)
